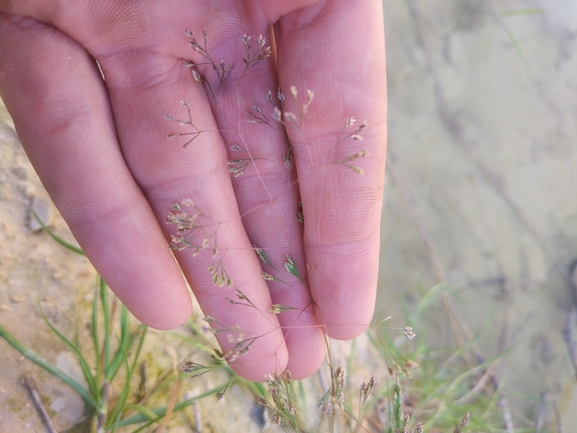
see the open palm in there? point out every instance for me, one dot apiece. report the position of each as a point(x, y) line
point(295, 194)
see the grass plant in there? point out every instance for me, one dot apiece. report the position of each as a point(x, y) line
point(409, 386)
point(109, 365)
point(401, 385)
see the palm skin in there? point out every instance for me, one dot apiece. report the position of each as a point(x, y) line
point(100, 147)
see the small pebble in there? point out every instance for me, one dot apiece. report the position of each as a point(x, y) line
point(8, 123)
point(43, 208)
point(21, 172)
point(49, 310)
point(15, 298)
point(58, 275)
point(258, 415)
point(26, 187)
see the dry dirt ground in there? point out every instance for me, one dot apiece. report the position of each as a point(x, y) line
point(481, 191)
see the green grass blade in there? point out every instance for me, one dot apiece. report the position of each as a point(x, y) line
point(161, 411)
point(198, 340)
point(106, 318)
point(120, 406)
point(257, 388)
point(513, 39)
point(95, 338)
point(397, 406)
point(303, 398)
point(124, 345)
point(147, 413)
point(291, 267)
point(262, 256)
point(430, 297)
point(55, 237)
point(86, 371)
point(121, 403)
point(89, 401)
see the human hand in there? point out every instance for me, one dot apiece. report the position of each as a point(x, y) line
point(100, 148)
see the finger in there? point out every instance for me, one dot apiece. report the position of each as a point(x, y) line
point(337, 51)
point(55, 94)
point(265, 183)
point(213, 249)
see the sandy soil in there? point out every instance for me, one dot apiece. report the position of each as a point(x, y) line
point(480, 192)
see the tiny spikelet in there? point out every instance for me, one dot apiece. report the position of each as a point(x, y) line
point(275, 309)
point(280, 95)
point(262, 256)
point(187, 202)
point(267, 277)
point(289, 117)
point(279, 308)
point(300, 217)
point(463, 423)
point(195, 369)
point(222, 391)
point(409, 333)
point(291, 267)
point(277, 114)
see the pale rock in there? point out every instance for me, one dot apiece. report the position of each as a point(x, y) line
point(21, 172)
point(43, 208)
point(67, 404)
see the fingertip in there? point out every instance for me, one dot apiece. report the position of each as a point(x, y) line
point(139, 268)
point(170, 316)
point(344, 332)
point(347, 323)
point(163, 306)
